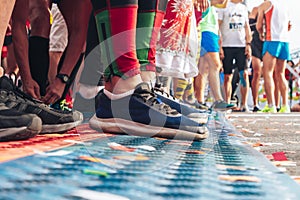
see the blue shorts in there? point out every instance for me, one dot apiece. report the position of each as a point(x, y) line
point(209, 43)
point(280, 50)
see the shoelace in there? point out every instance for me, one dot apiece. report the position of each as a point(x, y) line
point(19, 94)
point(158, 88)
point(149, 97)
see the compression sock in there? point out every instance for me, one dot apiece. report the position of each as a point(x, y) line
point(149, 21)
point(39, 61)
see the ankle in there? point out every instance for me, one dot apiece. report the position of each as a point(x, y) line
point(148, 76)
point(117, 85)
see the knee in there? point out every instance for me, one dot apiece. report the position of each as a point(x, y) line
point(279, 77)
point(227, 78)
point(217, 67)
point(256, 74)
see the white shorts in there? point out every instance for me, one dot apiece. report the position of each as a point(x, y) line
point(58, 32)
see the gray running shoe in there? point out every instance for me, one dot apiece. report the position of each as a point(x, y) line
point(221, 105)
point(54, 121)
point(198, 105)
point(16, 125)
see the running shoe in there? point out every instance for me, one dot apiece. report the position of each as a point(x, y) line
point(63, 105)
point(197, 115)
point(296, 108)
point(198, 105)
point(245, 109)
point(267, 109)
point(54, 121)
point(16, 125)
point(221, 105)
point(284, 109)
point(234, 100)
point(256, 109)
point(143, 114)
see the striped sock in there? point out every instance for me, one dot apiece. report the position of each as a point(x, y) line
point(180, 88)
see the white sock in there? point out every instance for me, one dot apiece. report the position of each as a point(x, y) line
point(112, 96)
point(12, 77)
point(89, 91)
point(151, 83)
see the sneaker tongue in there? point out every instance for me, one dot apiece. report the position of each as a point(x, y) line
point(141, 88)
point(6, 83)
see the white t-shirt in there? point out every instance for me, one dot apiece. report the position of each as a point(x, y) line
point(234, 17)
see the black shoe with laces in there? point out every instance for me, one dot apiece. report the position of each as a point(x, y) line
point(143, 114)
point(256, 109)
point(54, 121)
point(16, 125)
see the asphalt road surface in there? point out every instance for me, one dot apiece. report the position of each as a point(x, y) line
point(277, 136)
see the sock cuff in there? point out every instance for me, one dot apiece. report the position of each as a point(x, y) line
point(151, 83)
point(112, 96)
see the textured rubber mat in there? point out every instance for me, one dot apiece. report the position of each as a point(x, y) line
point(127, 167)
point(46, 142)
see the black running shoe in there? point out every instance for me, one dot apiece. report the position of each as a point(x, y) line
point(54, 121)
point(143, 114)
point(18, 126)
point(256, 109)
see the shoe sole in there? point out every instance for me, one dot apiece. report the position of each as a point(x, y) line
point(22, 133)
point(60, 128)
point(201, 118)
point(224, 109)
point(121, 126)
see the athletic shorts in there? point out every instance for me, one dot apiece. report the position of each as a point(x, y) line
point(280, 50)
point(58, 32)
point(209, 43)
point(236, 54)
point(256, 47)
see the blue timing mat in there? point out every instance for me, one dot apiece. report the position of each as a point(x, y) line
point(130, 167)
